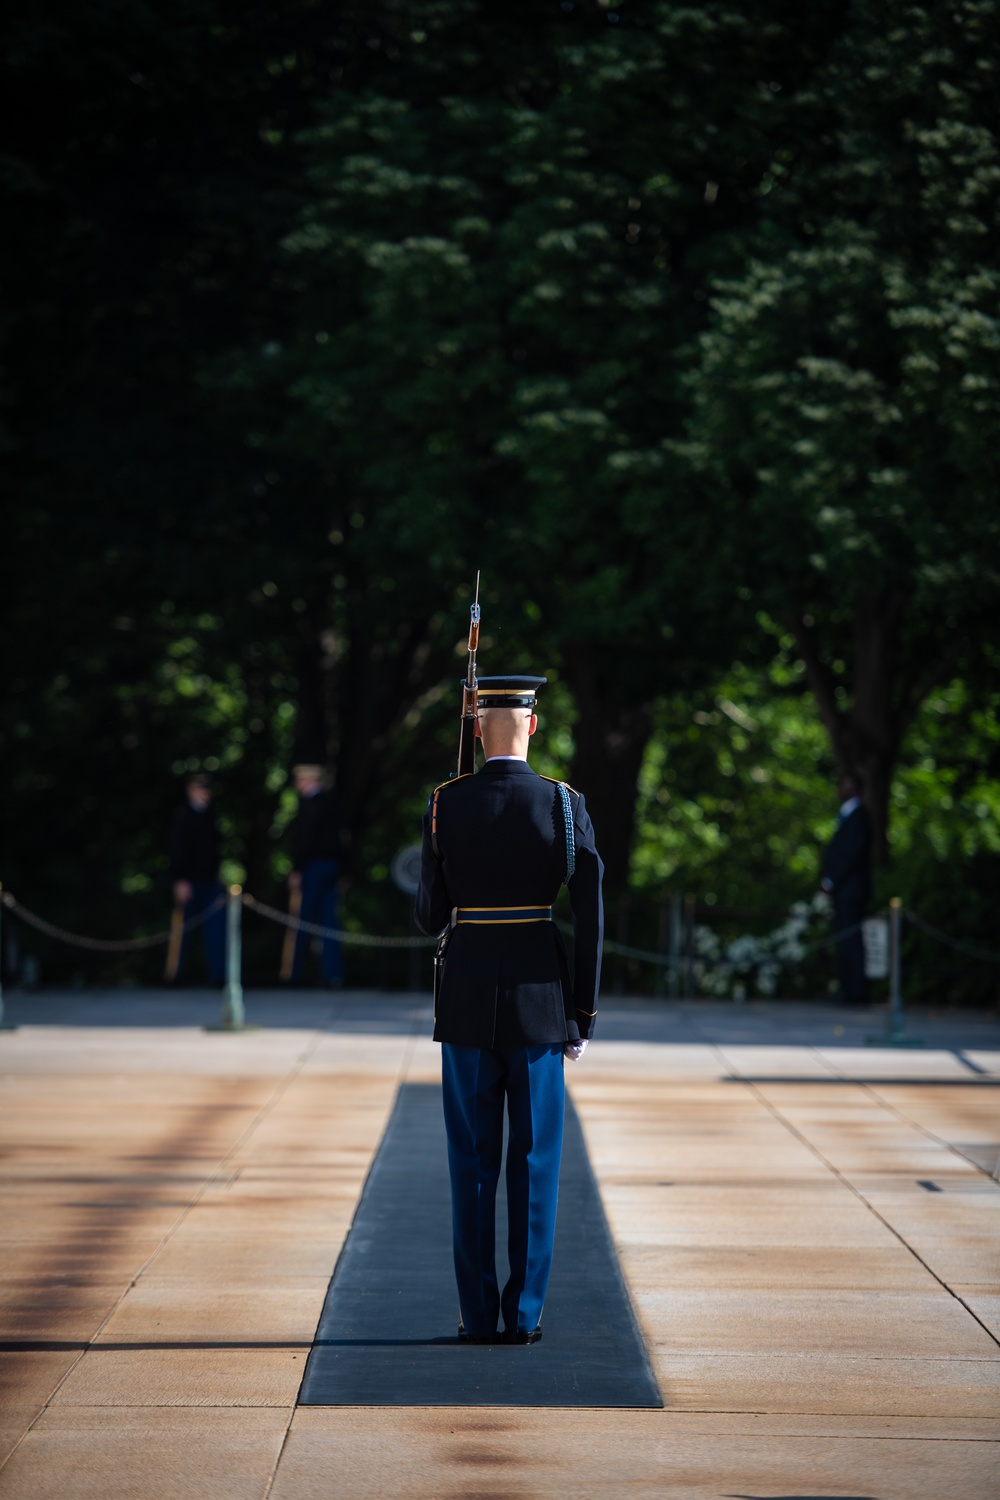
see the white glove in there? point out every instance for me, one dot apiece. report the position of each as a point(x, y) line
point(575, 1050)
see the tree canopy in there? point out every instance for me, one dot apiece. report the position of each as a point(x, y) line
point(679, 324)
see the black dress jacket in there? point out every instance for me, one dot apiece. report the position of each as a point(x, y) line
point(193, 844)
point(847, 862)
point(316, 830)
point(501, 842)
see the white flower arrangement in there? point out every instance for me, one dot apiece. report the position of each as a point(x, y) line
point(728, 970)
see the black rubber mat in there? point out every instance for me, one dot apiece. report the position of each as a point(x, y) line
point(387, 1334)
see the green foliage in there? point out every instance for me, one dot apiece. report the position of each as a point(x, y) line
point(848, 387)
point(735, 793)
point(679, 323)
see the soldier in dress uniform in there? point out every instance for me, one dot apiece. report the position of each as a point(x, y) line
point(496, 848)
point(316, 869)
point(846, 878)
point(193, 852)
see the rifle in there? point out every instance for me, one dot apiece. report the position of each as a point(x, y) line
point(467, 738)
point(174, 946)
point(291, 935)
point(466, 764)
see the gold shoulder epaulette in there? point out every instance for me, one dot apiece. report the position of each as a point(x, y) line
point(558, 781)
point(451, 782)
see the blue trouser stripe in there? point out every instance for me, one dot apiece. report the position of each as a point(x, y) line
point(475, 1083)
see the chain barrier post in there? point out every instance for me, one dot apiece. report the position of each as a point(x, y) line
point(232, 1010)
point(233, 1017)
point(4, 1024)
point(895, 1032)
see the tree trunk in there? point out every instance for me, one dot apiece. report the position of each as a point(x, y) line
point(611, 736)
point(311, 719)
point(866, 736)
point(376, 685)
point(872, 728)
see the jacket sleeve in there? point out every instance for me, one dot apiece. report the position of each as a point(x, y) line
point(432, 907)
point(588, 920)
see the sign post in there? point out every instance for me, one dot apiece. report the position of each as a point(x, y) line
point(895, 1033)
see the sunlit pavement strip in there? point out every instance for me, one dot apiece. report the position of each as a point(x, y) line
point(806, 1225)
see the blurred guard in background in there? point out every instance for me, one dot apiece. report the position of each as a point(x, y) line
point(846, 878)
point(316, 868)
point(193, 850)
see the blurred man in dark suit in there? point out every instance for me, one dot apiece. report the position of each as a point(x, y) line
point(193, 851)
point(846, 878)
point(316, 869)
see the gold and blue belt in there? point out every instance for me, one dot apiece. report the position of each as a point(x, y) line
point(491, 914)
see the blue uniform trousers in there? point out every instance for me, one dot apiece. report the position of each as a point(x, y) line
point(205, 893)
point(475, 1083)
point(319, 906)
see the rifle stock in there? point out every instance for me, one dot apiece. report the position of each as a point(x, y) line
point(174, 946)
point(291, 935)
point(467, 746)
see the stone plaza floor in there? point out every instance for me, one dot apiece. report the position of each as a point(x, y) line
point(809, 1228)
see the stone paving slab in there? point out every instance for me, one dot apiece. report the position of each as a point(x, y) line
point(808, 1230)
point(645, 1456)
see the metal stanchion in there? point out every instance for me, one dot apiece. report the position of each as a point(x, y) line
point(4, 1024)
point(232, 1004)
point(895, 1034)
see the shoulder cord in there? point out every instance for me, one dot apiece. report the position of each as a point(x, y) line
point(567, 812)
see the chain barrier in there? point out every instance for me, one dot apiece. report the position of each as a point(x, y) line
point(367, 940)
point(835, 937)
point(359, 939)
point(942, 937)
point(105, 945)
point(646, 955)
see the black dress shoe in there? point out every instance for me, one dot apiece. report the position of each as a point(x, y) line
point(475, 1338)
point(522, 1336)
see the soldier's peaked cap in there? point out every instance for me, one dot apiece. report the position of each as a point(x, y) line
point(508, 692)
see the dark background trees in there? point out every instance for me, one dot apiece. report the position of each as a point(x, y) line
point(847, 393)
point(680, 324)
